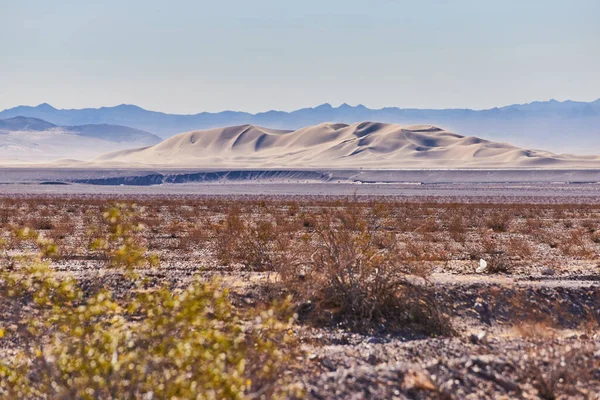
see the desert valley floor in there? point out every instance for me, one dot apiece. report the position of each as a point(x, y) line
point(525, 325)
point(538, 184)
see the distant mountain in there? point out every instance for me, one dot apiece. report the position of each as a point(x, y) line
point(370, 145)
point(25, 124)
point(111, 133)
point(567, 126)
point(32, 139)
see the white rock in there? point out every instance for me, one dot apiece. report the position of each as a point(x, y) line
point(482, 266)
point(478, 337)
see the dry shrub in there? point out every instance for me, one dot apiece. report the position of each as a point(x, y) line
point(490, 244)
point(590, 324)
point(559, 213)
point(430, 225)
point(573, 244)
point(499, 263)
point(416, 250)
point(175, 229)
point(260, 246)
point(257, 246)
point(42, 224)
point(498, 221)
point(532, 226)
point(556, 371)
point(351, 216)
point(354, 276)
point(227, 235)
point(293, 209)
point(519, 247)
point(589, 225)
point(308, 222)
point(419, 249)
point(193, 238)
point(456, 227)
point(568, 224)
point(552, 239)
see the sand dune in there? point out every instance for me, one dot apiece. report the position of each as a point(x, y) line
point(362, 145)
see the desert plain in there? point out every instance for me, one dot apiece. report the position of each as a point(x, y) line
point(449, 290)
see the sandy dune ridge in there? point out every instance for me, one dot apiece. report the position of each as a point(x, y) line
point(362, 145)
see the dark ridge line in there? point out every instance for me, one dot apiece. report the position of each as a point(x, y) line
point(245, 175)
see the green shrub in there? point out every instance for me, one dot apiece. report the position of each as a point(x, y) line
point(157, 343)
point(191, 343)
point(120, 240)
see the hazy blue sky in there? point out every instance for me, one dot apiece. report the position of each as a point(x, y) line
point(189, 56)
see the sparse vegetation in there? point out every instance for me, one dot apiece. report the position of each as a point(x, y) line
point(81, 282)
point(353, 273)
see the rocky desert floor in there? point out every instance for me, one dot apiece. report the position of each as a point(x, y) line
point(492, 297)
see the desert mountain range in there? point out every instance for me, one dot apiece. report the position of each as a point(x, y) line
point(568, 126)
point(336, 145)
point(25, 139)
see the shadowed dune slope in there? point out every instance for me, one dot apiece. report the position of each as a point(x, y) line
point(366, 144)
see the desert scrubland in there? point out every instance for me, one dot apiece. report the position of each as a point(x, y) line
point(321, 298)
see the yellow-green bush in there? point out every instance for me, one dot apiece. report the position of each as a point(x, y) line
point(157, 343)
point(120, 239)
point(191, 343)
